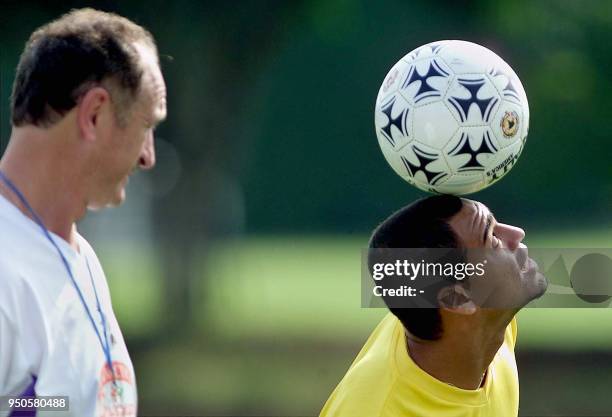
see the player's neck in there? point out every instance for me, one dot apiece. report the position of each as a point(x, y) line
point(49, 187)
point(461, 357)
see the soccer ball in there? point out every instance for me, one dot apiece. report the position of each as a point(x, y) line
point(451, 117)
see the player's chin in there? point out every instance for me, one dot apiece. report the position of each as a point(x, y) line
point(542, 282)
point(536, 285)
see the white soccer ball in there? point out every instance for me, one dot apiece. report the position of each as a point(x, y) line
point(451, 117)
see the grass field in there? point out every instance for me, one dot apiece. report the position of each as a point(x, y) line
point(309, 287)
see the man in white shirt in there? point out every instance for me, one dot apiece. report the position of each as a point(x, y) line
point(87, 96)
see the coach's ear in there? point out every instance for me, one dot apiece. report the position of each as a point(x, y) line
point(91, 110)
point(456, 299)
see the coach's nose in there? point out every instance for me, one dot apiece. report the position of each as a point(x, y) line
point(147, 155)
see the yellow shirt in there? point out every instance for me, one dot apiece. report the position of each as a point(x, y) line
point(384, 381)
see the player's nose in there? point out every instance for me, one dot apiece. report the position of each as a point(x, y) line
point(512, 236)
point(147, 155)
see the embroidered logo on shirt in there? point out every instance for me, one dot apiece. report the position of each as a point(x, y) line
point(116, 399)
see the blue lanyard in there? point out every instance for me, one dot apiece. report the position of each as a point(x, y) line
point(104, 343)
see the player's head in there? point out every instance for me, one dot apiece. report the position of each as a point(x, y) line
point(95, 77)
point(510, 280)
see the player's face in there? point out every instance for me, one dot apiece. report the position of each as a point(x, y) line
point(511, 278)
point(131, 146)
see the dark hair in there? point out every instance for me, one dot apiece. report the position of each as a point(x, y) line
point(422, 224)
point(65, 58)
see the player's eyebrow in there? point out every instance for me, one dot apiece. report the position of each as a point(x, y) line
point(487, 228)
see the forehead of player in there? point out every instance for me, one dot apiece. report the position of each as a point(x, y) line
point(472, 224)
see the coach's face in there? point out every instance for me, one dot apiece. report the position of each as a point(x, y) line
point(511, 278)
point(128, 147)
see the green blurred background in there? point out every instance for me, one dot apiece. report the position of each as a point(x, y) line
point(234, 265)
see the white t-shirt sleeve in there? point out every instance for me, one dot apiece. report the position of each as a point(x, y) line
point(13, 367)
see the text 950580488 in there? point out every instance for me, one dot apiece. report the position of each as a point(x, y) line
point(50, 403)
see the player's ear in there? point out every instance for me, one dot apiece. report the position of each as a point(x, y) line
point(89, 110)
point(456, 299)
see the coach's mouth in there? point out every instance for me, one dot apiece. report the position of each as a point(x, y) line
point(125, 181)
